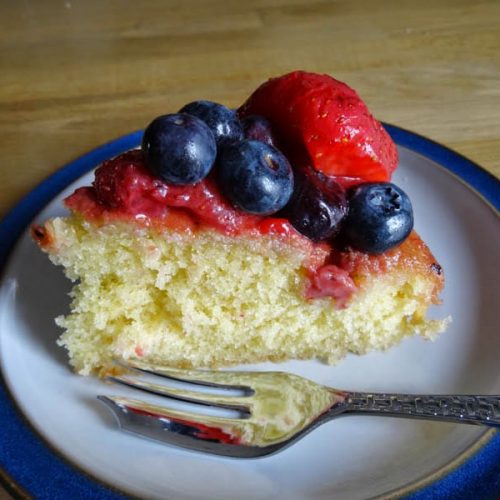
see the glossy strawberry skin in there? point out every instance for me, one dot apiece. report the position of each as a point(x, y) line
point(322, 121)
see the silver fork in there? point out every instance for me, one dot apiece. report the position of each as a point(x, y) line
point(275, 409)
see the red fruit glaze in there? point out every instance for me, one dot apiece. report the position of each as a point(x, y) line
point(322, 121)
point(124, 189)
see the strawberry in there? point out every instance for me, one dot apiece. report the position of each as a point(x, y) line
point(323, 122)
point(124, 183)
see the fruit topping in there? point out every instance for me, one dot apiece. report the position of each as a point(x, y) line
point(222, 121)
point(258, 128)
point(256, 177)
point(124, 187)
point(179, 148)
point(380, 217)
point(324, 122)
point(317, 206)
point(316, 120)
point(331, 281)
point(124, 183)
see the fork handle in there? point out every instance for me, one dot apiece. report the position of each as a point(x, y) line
point(480, 410)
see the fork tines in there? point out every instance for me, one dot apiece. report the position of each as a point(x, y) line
point(215, 434)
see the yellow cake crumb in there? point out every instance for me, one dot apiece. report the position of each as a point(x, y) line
point(208, 300)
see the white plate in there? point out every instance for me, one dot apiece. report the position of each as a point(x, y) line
point(349, 458)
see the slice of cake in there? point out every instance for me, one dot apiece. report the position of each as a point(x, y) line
point(266, 235)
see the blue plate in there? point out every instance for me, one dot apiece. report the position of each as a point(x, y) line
point(31, 467)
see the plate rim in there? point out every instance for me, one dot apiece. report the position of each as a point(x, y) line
point(457, 474)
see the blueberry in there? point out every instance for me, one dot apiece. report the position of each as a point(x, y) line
point(258, 128)
point(255, 177)
point(179, 148)
point(380, 217)
point(222, 121)
point(317, 206)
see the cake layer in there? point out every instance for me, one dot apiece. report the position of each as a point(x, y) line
point(212, 300)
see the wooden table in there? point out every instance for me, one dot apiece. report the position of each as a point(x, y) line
point(75, 74)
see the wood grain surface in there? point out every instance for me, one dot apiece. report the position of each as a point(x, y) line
point(75, 74)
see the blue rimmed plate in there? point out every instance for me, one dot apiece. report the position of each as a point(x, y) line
point(58, 441)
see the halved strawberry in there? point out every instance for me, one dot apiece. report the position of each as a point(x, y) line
point(322, 121)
